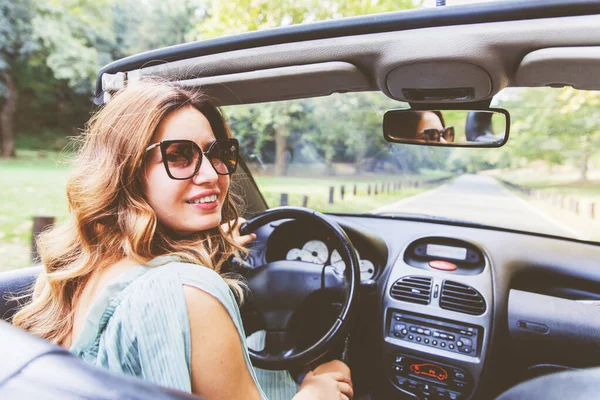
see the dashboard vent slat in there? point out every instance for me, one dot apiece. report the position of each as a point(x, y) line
point(413, 289)
point(461, 298)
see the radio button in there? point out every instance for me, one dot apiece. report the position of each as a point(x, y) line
point(426, 341)
point(434, 343)
point(466, 341)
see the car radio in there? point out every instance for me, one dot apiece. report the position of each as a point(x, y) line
point(443, 335)
point(429, 379)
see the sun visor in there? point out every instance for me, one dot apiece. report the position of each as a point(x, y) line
point(561, 66)
point(438, 82)
point(284, 83)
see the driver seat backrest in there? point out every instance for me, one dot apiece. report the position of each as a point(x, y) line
point(34, 369)
point(17, 283)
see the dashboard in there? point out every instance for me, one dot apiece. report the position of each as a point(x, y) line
point(455, 312)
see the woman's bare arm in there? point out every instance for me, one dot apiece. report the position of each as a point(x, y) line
point(219, 370)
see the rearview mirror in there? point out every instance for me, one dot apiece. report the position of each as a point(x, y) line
point(457, 128)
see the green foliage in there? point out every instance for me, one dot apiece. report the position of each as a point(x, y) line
point(227, 17)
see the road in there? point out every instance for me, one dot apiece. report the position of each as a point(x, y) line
point(480, 199)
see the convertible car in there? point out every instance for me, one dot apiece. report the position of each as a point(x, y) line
point(445, 285)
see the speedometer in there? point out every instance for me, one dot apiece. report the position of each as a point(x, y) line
point(367, 270)
point(318, 250)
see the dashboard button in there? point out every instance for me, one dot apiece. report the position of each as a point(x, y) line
point(426, 341)
point(442, 265)
point(418, 338)
point(410, 337)
point(443, 344)
point(434, 343)
point(466, 341)
point(451, 346)
point(460, 385)
point(404, 331)
point(465, 350)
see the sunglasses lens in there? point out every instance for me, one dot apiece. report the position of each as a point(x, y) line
point(432, 135)
point(182, 158)
point(223, 156)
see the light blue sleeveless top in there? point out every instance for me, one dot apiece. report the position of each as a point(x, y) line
point(139, 326)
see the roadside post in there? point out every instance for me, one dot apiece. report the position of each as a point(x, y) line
point(40, 223)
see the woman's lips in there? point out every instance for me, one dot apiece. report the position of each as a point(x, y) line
point(206, 206)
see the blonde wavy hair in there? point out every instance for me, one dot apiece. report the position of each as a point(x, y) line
point(110, 218)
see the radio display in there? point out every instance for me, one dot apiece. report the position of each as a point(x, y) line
point(437, 250)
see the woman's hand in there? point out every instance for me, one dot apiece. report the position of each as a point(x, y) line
point(239, 239)
point(328, 381)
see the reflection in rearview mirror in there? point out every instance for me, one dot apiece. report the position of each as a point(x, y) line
point(473, 128)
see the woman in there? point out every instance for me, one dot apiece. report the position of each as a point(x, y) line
point(132, 279)
point(432, 128)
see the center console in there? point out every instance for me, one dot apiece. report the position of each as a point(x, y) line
point(437, 319)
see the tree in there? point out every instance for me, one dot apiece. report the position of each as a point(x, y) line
point(16, 44)
point(225, 18)
point(557, 126)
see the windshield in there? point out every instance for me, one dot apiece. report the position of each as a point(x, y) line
point(329, 154)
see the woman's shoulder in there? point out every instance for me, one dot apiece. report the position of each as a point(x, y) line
point(169, 278)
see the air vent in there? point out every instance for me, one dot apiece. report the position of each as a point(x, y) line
point(414, 289)
point(462, 298)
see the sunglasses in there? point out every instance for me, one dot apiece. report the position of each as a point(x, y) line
point(433, 135)
point(182, 158)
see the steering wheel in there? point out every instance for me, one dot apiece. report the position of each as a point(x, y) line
point(279, 287)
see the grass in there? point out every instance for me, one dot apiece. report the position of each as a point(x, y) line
point(31, 186)
point(565, 182)
point(34, 185)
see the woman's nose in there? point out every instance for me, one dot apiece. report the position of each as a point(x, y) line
point(206, 173)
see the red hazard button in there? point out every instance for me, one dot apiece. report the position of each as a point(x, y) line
point(443, 265)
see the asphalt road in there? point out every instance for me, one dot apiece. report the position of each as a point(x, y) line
point(483, 200)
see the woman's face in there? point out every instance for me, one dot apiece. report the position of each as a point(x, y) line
point(430, 120)
point(176, 201)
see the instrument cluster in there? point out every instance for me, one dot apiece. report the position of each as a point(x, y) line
point(316, 251)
